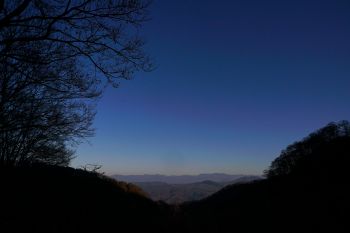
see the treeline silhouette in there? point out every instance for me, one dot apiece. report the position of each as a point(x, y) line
point(306, 190)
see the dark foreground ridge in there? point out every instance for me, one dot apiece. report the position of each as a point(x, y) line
point(59, 199)
point(306, 190)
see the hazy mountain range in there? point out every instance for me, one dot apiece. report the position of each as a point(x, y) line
point(178, 189)
point(179, 179)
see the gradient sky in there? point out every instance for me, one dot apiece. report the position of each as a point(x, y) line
point(236, 82)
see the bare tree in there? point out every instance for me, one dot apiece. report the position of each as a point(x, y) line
point(94, 31)
point(41, 110)
point(55, 58)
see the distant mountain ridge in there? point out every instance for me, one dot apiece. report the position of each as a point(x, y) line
point(180, 193)
point(185, 188)
point(178, 179)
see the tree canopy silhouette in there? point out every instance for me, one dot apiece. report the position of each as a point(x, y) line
point(300, 156)
point(56, 57)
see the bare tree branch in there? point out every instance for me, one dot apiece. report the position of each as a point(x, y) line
point(48, 50)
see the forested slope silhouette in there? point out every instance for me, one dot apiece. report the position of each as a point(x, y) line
point(306, 190)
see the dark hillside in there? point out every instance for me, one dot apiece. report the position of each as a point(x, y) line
point(307, 190)
point(57, 199)
point(312, 196)
point(279, 205)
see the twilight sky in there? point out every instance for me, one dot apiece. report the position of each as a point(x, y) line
point(236, 82)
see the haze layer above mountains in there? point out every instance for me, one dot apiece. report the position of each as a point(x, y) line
point(178, 179)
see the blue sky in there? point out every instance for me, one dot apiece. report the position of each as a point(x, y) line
point(236, 82)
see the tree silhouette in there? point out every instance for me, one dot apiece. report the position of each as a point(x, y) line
point(299, 155)
point(56, 58)
point(40, 112)
point(96, 31)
